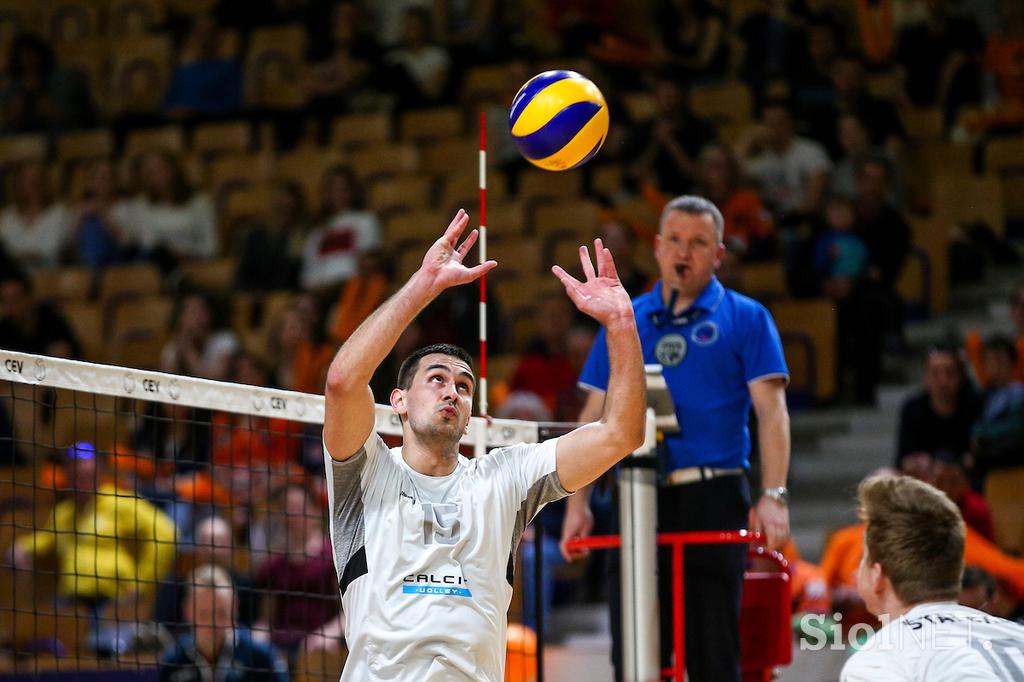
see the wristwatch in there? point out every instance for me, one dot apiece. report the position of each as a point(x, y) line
point(780, 494)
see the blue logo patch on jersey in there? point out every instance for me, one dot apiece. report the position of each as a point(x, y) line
point(437, 589)
point(705, 333)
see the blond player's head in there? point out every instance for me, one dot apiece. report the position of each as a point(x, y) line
point(913, 543)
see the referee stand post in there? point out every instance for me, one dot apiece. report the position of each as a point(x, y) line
point(638, 511)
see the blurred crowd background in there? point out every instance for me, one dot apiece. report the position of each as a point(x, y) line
point(226, 189)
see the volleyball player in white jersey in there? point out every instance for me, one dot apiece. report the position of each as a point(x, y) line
point(425, 539)
point(909, 578)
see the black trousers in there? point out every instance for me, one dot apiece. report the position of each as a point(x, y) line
point(713, 577)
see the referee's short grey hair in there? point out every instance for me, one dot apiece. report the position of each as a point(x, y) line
point(694, 205)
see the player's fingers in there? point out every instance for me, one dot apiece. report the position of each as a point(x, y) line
point(468, 244)
point(588, 266)
point(480, 270)
point(599, 257)
point(609, 264)
point(568, 280)
point(456, 226)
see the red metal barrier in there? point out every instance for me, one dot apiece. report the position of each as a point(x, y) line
point(766, 607)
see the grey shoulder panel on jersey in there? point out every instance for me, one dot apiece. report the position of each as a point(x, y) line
point(547, 489)
point(348, 524)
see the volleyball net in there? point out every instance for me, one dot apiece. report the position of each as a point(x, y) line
point(137, 507)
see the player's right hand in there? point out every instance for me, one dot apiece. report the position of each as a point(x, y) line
point(577, 524)
point(601, 294)
point(443, 263)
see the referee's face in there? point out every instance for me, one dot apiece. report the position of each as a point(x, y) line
point(439, 400)
point(688, 252)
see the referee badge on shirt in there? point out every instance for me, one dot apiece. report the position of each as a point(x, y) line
point(705, 333)
point(671, 349)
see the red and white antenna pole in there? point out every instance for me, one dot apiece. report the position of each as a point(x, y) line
point(481, 444)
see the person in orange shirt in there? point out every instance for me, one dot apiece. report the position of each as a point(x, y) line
point(299, 358)
point(976, 345)
point(749, 230)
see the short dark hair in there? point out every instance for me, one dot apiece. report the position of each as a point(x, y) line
point(1000, 343)
point(412, 362)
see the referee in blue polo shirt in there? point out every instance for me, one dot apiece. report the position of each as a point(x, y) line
point(720, 352)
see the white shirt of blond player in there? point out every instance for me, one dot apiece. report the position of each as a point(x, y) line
point(940, 642)
point(425, 563)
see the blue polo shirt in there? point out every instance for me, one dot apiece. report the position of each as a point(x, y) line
point(709, 355)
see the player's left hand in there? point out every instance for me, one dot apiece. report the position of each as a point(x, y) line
point(771, 517)
point(602, 295)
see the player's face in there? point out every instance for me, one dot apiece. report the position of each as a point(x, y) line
point(688, 252)
point(439, 400)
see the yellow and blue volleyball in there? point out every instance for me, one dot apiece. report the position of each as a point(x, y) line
point(559, 120)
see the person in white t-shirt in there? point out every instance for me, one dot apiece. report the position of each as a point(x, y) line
point(910, 578)
point(424, 539)
point(34, 229)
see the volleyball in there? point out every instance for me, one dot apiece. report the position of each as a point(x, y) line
point(559, 120)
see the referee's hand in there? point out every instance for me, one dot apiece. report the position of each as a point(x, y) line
point(771, 517)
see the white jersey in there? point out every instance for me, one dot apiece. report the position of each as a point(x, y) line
point(941, 642)
point(425, 563)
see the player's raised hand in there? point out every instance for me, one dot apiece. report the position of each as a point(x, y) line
point(601, 295)
point(443, 262)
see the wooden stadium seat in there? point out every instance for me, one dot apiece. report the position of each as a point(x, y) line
point(210, 275)
point(138, 326)
point(450, 155)
point(72, 20)
point(140, 71)
point(1013, 192)
point(506, 219)
point(92, 58)
point(606, 179)
point(1004, 155)
point(923, 123)
point(541, 184)
point(16, 16)
point(516, 254)
point(385, 159)
point(165, 138)
point(358, 130)
point(640, 106)
point(522, 322)
point(18, 148)
point(221, 136)
point(275, 68)
point(808, 330)
point(1002, 492)
point(137, 279)
point(967, 198)
point(306, 166)
point(63, 284)
point(86, 321)
point(85, 144)
point(489, 81)
point(887, 85)
point(462, 190)
point(403, 192)
point(135, 17)
point(430, 124)
point(414, 227)
point(193, 7)
point(924, 282)
point(239, 208)
point(581, 216)
point(727, 102)
point(763, 281)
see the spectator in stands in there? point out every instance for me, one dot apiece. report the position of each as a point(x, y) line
point(346, 65)
point(298, 354)
point(812, 78)
point(196, 348)
point(331, 251)
point(1004, 109)
point(216, 646)
point(31, 326)
point(771, 36)
point(939, 59)
point(302, 608)
point(950, 476)
point(621, 241)
point(887, 235)
point(544, 369)
point(98, 236)
point(791, 171)
point(271, 246)
point(749, 229)
point(213, 544)
point(361, 295)
point(977, 588)
point(470, 30)
point(854, 148)
point(691, 37)
point(36, 228)
point(663, 152)
point(998, 435)
point(384, 379)
point(975, 347)
point(419, 67)
point(848, 94)
point(39, 94)
point(110, 545)
point(168, 222)
point(840, 256)
point(204, 84)
point(940, 416)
